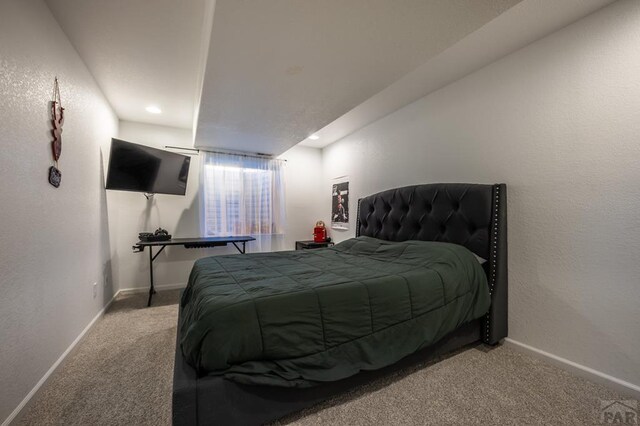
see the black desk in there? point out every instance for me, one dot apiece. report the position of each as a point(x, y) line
point(187, 243)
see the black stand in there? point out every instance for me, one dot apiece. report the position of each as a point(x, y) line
point(187, 243)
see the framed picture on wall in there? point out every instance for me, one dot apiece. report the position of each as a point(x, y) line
point(340, 204)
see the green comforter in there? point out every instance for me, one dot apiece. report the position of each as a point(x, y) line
point(301, 317)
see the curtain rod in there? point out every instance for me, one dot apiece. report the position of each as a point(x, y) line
point(256, 155)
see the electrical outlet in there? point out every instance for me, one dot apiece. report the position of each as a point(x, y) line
point(95, 290)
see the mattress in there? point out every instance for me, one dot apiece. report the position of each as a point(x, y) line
point(300, 318)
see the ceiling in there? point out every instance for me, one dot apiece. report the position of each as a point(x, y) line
point(514, 29)
point(142, 53)
point(279, 70)
point(261, 76)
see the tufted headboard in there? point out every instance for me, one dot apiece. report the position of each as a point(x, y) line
point(472, 215)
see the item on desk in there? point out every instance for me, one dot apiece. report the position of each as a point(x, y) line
point(161, 231)
point(159, 235)
point(319, 232)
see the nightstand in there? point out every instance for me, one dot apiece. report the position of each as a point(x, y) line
point(310, 244)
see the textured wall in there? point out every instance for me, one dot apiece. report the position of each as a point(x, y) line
point(54, 243)
point(130, 213)
point(559, 122)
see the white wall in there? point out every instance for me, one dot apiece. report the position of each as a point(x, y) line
point(54, 243)
point(303, 178)
point(559, 122)
point(130, 213)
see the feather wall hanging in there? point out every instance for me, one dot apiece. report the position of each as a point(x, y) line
point(57, 120)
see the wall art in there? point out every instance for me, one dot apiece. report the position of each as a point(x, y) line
point(340, 204)
point(57, 120)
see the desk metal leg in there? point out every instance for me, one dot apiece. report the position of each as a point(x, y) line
point(241, 250)
point(151, 289)
point(152, 257)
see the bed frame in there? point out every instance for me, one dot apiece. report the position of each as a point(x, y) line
point(471, 215)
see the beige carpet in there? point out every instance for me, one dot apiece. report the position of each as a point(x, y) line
point(121, 374)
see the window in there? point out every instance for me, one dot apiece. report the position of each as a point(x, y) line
point(241, 195)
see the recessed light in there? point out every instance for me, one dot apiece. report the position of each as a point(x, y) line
point(153, 109)
point(314, 137)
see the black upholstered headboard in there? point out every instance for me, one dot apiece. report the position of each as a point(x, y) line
point(472, 215)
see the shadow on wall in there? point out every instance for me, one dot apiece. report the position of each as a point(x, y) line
point(188, 225)
point(189, 222)
point(107, 276)
point(105, 250)
point(145, 216)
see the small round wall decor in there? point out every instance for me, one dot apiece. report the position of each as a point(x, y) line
point(57, 120)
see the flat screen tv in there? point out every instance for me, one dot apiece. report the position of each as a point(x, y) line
point(140, 168)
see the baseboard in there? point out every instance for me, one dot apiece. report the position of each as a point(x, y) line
point(625, 388)
point(16, 413)
point(161, 287)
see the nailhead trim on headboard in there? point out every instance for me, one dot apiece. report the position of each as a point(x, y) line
point(358, 218)
point(494, 258)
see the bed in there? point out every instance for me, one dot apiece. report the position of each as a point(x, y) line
point(265, 335)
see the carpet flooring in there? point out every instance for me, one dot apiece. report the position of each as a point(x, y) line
point(121, 374)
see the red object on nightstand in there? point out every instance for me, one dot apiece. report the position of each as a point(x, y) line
point(319, 232)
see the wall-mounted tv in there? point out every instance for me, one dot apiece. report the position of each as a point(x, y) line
point(140, 168)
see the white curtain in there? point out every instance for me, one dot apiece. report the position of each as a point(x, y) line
point(241, 195)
